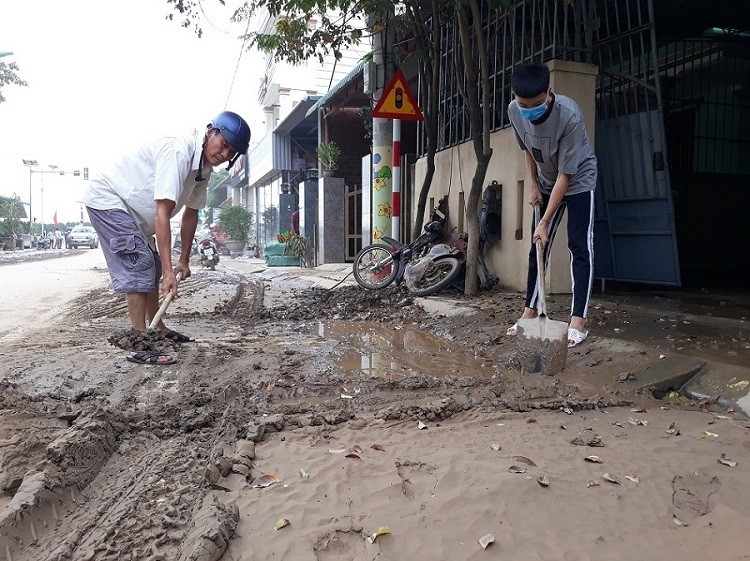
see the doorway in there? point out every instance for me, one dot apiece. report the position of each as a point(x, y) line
point(707, 121)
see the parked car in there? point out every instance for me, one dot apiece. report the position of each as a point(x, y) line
point(83, 235)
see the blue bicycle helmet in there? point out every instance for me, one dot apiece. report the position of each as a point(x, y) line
point(235, 131)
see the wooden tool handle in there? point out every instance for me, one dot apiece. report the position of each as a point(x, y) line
point(164, 306)
point(542, 305)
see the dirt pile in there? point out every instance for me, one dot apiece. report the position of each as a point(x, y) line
point(152, 340)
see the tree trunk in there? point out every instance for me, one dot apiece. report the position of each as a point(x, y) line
point(431, 46)
point(480, 128)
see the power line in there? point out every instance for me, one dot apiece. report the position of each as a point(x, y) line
point(236, 66)
point(200, 5)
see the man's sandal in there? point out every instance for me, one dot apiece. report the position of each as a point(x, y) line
point(155, 359)
point(178, 337)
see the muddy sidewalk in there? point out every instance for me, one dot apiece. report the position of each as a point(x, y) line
point(103, 459)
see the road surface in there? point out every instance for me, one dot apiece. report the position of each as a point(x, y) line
point(35, 292)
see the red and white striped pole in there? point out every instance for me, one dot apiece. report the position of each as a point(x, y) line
point(396, 182)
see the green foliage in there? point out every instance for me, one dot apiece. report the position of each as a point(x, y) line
point(270, 217)
point(11, 210)
point(214, 194)
point(339, 26)
point(365, 114)
point(8, 76)
point(187, 10)
point(235, 222)
point(296, 246)
point(285, 236)
point(329, 154)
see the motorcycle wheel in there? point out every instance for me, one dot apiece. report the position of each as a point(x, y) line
point(374, 267)
point(443, 274)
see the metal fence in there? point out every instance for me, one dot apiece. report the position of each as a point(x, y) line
point(530, 31)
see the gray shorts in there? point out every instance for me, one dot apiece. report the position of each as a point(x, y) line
point(133, 265)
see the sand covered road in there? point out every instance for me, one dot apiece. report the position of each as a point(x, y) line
point(36, 292)
point(104, 459)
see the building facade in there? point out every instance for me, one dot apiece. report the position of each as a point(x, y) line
point(665, 88)
point(282, 167)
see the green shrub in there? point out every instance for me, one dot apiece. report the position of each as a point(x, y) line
point(11, 210)
point(235, 222)
point(328, 154)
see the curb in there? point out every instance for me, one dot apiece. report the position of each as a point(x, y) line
point(727, 383)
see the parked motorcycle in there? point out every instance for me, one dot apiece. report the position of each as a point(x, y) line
point(428, 264)
point(177, 246)
point(209, 253)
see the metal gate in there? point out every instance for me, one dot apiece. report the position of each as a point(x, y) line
point(635, 238)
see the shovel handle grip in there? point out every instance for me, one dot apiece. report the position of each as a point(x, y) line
point(164, 306)
point(542, 304)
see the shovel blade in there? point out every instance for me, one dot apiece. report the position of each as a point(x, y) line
point(542, 345)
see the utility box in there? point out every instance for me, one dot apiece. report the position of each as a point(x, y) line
point(491, 215)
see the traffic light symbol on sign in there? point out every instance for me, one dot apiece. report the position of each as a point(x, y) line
point(397, 101)
point(86, 174)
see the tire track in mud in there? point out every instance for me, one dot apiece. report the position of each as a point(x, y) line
point(126, 483)
point(143, 474)
point(104, 303)
point(119, 486)
point(141, 503)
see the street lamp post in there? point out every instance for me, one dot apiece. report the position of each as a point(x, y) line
point(41, 203)
point(53, 169)
point(30, 164)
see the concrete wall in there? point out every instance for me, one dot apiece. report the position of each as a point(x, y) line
point(508, 258)
point(308, 216)
point(331, 229)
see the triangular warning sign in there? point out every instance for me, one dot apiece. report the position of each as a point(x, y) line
point(397, 101)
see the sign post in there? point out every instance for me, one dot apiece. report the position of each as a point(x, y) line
point(397, 103)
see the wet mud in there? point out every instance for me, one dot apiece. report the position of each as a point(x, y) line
point(102, 459)
point(151, 340)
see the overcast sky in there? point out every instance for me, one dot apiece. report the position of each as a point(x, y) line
point(104, 76)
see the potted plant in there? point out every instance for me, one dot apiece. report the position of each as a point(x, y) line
point(285, 236)
point(328, 154)
point(235, 222)
point(296, 246)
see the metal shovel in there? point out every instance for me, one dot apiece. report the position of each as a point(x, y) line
point(542, 343)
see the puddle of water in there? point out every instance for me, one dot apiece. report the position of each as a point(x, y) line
point(379, 350)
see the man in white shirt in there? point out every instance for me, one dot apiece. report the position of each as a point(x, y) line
point(133, 200)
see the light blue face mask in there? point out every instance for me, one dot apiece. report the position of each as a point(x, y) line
point(533, 113)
